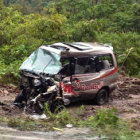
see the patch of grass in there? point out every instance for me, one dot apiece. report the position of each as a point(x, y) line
point(107, 123)
point(81, 110)
point(27, 124)
point(62, 118)
point(2, 119)
point(58, 120)
point(104, 123)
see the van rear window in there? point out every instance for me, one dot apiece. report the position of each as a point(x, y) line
point(106, 61)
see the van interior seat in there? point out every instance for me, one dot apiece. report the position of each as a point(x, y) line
point(106, 64)
point(79, 69)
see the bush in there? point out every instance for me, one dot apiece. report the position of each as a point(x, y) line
point(24, 29)
point(122, 43)
point(21, 35)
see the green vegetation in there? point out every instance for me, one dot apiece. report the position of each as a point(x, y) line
point(107, 123)
point(104, 123)
point(27, 24)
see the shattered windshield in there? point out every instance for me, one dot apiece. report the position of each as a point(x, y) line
point(42, 60)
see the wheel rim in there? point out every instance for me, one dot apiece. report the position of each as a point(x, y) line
point(102, 97)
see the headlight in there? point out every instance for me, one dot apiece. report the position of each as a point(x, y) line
point(37, 82)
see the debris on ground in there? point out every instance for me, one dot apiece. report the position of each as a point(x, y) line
point(69, 125)
point(37, 117)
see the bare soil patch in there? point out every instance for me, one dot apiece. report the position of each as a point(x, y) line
point(7, 96)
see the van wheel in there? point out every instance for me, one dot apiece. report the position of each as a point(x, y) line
point(102, 97)
point(57, 105)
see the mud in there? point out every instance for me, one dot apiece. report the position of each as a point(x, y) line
point(126, 99)
point(7, 96)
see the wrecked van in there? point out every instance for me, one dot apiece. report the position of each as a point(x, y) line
point(62, 73)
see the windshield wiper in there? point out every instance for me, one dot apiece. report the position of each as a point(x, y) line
point(47, 65)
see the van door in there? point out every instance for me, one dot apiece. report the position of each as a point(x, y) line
point(83, 80)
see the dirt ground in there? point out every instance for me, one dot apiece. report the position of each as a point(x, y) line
point(126, 98)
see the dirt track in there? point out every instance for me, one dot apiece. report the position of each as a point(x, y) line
point(126, 98)
point(67, 134)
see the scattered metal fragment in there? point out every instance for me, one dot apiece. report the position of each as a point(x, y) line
point(69, 125)
point(58, 129)
point(37, 117)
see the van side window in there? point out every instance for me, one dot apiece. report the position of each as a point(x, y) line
point(93, 64)
point(106, 61)
point(85, 65)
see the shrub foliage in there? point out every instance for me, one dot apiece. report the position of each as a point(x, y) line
point(25, 25)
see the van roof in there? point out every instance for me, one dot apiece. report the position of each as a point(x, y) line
point(76, 49)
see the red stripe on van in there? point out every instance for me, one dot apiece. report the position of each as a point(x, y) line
point(110, 73)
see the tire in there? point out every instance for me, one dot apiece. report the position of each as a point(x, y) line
point(102, 97)
point(57, 106)
point(20, 98)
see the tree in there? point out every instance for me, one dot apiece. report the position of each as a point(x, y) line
point(1, 4)
point(26, 9)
